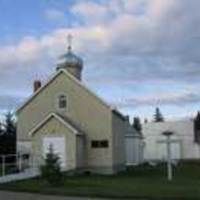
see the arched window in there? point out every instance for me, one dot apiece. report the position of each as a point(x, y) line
point(62, 101)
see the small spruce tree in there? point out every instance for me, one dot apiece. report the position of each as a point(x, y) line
point(137, 124)
point(158, 117)
point(51, 170)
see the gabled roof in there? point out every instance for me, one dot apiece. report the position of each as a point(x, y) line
point(64, 121)
point(73, 124)
point(113, 109)
point(53, 78)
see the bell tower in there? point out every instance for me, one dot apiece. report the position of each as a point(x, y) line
point(71, 62)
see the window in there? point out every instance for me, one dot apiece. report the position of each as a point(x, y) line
point(94, 144)
point(99, 143)
point(104, 143)
point(62, 102)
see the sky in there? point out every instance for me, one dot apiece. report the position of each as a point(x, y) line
point(138, 54)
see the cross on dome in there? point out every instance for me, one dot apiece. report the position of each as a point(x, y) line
point(70, 61)
point(69, 40)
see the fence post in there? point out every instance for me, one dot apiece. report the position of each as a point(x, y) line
point(20, 162)
point(3, 165)
point(16, 161)
point(31, 161)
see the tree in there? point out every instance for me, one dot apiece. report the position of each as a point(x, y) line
point(158, 117)
point(10, 125)
point(137, 124)
point(8, 135)
point(51, 170)
point(1, 129)
point(2, 140)
point(197, 128)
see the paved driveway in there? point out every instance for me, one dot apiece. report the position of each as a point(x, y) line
point(4, 195)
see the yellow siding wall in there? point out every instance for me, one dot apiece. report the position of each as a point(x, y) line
point(87, 111)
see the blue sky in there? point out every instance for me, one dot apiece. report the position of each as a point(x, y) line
point(138, 54)
point(20, 18)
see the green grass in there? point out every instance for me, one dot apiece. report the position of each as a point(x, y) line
point(139, 182)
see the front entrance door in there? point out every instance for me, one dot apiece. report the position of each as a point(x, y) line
point(58, 144)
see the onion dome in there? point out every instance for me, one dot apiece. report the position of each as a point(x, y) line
point(71, 62)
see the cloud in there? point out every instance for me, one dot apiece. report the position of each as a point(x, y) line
point(91, 12)
point(158, 31)
point(177, 99)
point(54, 14)
point(122, 42)
point(156, 40)
point(9, 102)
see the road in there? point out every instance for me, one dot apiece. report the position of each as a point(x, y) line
point(7, 195)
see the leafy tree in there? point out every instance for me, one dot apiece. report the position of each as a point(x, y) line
point(51, 170)
point(137, 124)
point(197, 128)
point(158, 117)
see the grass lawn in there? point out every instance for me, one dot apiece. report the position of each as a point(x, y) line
point(139, 182)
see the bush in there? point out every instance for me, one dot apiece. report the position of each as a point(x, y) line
point(51, 170)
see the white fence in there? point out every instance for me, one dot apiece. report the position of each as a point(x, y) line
point(14, 163)
point(15, 167)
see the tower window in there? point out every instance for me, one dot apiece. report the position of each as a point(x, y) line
point(62, 101)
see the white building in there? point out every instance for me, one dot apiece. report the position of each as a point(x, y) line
point(134, 145)
point(182, 141)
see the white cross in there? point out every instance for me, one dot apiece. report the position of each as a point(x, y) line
point(69, 40)
point(168, 135)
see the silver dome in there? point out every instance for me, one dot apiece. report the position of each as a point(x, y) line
point(71, 59)
point(71, 62)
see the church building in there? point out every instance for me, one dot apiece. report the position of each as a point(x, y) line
point(86, 133)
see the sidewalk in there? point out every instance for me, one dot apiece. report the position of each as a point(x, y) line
point(29, 173)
